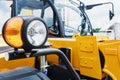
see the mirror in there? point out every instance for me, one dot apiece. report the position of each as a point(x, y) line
point(111, 14)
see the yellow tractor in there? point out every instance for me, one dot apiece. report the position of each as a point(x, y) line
point(69, 31)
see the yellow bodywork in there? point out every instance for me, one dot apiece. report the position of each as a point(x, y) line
point(111, 51)
point(8, 65)
point(85, 55)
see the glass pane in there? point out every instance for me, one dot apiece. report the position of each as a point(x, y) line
point(29, 7)
point(36, 8)
point(71, 17)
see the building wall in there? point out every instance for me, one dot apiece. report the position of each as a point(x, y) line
point(116, 28)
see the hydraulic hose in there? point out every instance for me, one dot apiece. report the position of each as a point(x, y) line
point(48, 51)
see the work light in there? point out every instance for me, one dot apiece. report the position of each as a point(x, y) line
point(26, 33)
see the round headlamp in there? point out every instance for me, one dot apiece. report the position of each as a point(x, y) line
point(27, 33)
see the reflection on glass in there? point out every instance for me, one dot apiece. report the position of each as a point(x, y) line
point(71, 17)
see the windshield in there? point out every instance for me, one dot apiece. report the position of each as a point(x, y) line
point(71, 17)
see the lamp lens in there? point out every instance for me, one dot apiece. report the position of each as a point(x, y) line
point(36, 33)
point(12, 32)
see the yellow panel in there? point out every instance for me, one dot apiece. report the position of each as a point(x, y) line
point(102, 38)
point(84, 54)
point(27, 12)
point(89, 56)
point(111, 51)
point(8, 65)
point(53, 58)
point(66, 43)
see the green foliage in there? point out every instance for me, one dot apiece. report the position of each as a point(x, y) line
point(96, 30)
